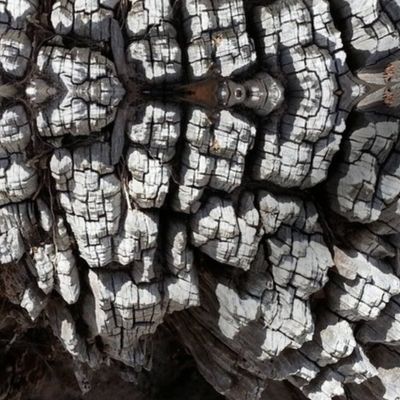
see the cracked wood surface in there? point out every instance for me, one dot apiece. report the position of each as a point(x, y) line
point(227, 169)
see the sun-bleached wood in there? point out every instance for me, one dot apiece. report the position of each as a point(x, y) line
point(263, 232)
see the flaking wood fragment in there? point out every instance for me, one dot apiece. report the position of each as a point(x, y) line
point(330, 383)
point(228, 236)
point(84, 185)
point(371, 29)
point(17, 227)
point(153, 53)
point(295, 244)
point(18, 180)
point(362, 287)
point(213, 156)
point(15, 44)
point(364, 187)
point(89, 19)
point(216, 38)
point(333, 340)
point(297, 146)
point(384, 329)
point(54, 266)
point(153, 132)
point(64, 327)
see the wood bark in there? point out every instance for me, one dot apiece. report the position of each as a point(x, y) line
point(228, 170)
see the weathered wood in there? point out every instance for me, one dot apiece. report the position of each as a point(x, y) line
point(89, 19)
point(153, 53)
point(260, 225)
point(213, 155)
point(216, 37)
point(153, 131)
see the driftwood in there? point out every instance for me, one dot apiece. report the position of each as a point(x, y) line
point(227, 169)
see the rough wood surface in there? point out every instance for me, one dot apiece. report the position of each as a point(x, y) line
point(225, 170)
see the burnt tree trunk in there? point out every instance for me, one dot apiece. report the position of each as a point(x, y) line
point(220, 175)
